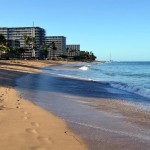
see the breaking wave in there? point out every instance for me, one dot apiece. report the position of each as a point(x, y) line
point(140, 90)
point(84, 68)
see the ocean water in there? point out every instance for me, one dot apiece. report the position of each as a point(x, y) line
point(131, 77)
point(73, 92)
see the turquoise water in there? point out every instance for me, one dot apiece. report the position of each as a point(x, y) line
point(132, 77)
point(73, 92)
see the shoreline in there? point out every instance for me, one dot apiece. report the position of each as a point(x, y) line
point(121, 123)
point(96, 120)
point(24, 125)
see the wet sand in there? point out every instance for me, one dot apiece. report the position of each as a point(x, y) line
point(90, 111)
point(23, 125)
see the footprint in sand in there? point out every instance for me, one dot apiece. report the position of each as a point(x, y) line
point(25, 112)
point(35, 124)
point(30, 130)
point(1, 100)
point(26, 118)
point(37, 148)
point(44, 139)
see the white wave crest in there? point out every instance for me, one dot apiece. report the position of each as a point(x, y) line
point(84, 68)
point(140, 90)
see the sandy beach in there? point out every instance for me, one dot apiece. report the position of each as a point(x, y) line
point(91, 119)
point(98, 116)
point(25, 126)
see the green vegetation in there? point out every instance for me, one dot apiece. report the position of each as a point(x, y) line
point(3, 46)
point(83, 56)
point(29, 40)
point(2, 40)
point(7, 52)
point(44, 50)
point(47, 51)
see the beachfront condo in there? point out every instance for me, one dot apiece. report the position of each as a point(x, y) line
point(19, 34)
point(60, 44)
point(73, 50)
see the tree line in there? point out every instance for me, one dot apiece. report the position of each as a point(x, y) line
point(14, 51)
point(7, 50)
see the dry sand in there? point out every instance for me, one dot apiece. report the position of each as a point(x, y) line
point(24, 126)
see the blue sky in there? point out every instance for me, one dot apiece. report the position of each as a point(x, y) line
point(117, 27)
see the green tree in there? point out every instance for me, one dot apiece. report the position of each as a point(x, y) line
point(44, 50)
point(27, 40)
point(20, 50)
point(3, 45)
point(85, 56)
point(2, 40)
point(53, 48)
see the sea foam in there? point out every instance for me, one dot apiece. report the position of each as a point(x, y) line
point(140, 90)
point(84, 68)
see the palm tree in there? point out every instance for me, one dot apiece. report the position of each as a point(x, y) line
point(20, 51)
point(53, 48)
point(30, 40)
point(27, 40)
point(3, 42)
point(3, 48)
point(45, 50)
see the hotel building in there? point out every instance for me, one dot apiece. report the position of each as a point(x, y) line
point(19, 33)
point(73, 49)
point(60, 44)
